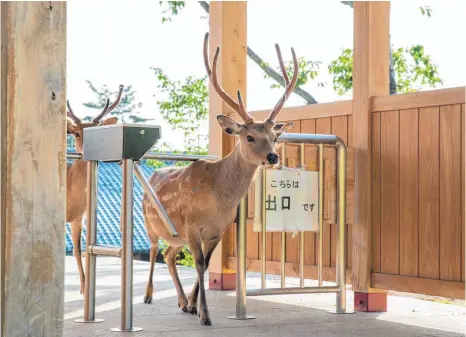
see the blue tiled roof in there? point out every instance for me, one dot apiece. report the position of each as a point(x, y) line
point(108, 210)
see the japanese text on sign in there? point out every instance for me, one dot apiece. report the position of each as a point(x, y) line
point(291, 200)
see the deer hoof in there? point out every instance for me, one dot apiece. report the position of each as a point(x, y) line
point(192, 310)
point(183, 308)
point(148, 299)
point(206, 321)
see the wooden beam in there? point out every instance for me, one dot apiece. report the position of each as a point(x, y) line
point(332, 109)
point(370, 78)
point(418, 285)
point(33, 159)
point(228, 22)
point(422, 99)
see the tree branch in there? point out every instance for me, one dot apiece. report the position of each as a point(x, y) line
point(269, 71)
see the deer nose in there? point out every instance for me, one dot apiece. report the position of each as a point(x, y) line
point(272, 158)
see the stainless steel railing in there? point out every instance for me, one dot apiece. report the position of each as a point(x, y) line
point(241, 240)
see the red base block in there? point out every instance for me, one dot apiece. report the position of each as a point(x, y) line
point(222, 281)
point(370, 302)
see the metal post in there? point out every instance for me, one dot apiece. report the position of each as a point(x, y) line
point(91, 235)
point(283, 252)
point(321, 215)
point(241, 262)
point(301, 235)
point(341, 258)
point(263, 233)
point(158, 206)
point(127, 248)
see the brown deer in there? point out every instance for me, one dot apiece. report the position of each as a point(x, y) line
point(76, 184)
point(202, 199)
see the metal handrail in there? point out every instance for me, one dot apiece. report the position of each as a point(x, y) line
point(241, 268)
point(158, 156)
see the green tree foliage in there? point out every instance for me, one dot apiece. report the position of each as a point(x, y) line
point(170, 9)
point(413, 70)
point(126, 110)
point(426, 11)
point(184, 105)
point(307, 71)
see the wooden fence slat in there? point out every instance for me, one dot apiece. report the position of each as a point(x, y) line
point(293, 156)
point(390, 192)
point(463, 189)
point(450, 192)
point(340, 129)
point(349, 231)
point(324, 126)
point(409, 189)
point(309, 126)
point(376, 250)
point(429, 212)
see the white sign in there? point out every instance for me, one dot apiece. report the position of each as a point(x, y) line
point(291, 200)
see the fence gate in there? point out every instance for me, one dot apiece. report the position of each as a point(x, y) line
point(287, 200)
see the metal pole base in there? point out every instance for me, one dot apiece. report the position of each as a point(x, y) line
point(82, 320)
point(133, 329)
point(334, 311)
point(248, 317)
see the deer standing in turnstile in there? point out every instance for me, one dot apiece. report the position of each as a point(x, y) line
point(76, 175)
point(202, 199)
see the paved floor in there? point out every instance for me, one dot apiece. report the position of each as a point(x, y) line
point(289, 315)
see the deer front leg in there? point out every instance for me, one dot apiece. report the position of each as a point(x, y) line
point(209, 247)
point(76, 229)
point(170, 259)
point(150, 285)
point(196, 249)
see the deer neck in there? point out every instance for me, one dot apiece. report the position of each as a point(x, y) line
point(79, 169)
point(234, 175)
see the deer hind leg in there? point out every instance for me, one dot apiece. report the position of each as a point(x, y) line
point(170, 259)
point(209, 247)
point(153, 255)
point(76, 229)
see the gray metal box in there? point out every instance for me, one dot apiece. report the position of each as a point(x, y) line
point(119, 141)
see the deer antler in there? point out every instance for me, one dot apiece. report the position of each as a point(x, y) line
point(289, 85)
point(108, 108)
point(238, 107)
point(71, 114)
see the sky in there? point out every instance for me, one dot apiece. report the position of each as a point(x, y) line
point(116, 42)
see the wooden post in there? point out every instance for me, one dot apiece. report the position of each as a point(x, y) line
point(227, 30)
point(370, 78)
point(33, 167)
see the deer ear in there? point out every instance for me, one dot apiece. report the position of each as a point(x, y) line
point(280, 128)
point(110, 121)
point(70, 126)
point(229, 125)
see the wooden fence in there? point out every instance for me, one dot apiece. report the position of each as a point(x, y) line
point(417, 193)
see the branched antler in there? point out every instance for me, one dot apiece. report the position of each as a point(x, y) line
point(109, 108)
point(238, 107)
point(289, 84)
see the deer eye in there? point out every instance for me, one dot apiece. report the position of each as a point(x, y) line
point(76, 134)
point(250, 138)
